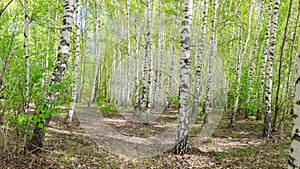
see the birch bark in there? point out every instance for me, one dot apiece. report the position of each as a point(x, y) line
point(181, 145)
point(76, 56)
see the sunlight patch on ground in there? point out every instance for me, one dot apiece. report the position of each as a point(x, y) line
point(221, 144)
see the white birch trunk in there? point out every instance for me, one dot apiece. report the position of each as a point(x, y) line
point(264, 64)
point(269, 74)
point(240, 60)
point(253, 52)
point(200, 58)
point(83, 58)
point(150, 60)
point(159, 56)
point(58, 73)
point(294, 161)
point(181, 145)
point(97, 56)
point(137, 96)
point(26, 30)
point(76, 56)
point(210, 66)
point(129, 52)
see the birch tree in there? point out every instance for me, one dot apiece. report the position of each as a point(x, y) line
point(253, 52)
point(26, 30)
point(210, 61)
point(263, 69)
point(128, 51)
point(288, 98)
point(137, 96)
point(280, 65)
point(149, 54)
point(76, 56)
point(58, 73)
point(181, 144)
point(97, 55)
point(267, 123)
point(200, 58)
point(240, 59)
point(159, 55)
point(294, 161)
point(83, 57)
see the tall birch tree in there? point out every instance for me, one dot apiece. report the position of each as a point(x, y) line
point(200, 56)
point(150, 59)
point(97, 54)
point(76, 56)
point(181, 144)
point(63, 55)
point(280, 65)
point(26, 30)
point(269, 74)
point(294, 161)
point(128, 52)
point(264, 64)
point(212, 53)
point(253, 53)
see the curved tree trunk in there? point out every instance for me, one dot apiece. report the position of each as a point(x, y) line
point(58, 73)
point(280, 67)
point(288, 98)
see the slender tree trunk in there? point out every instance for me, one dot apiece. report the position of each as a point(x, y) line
point(148, 55)
point(199, 64)
point(76, 56)
point(280, 66)
point(144, 82)
point(267, 123)
point(128, 52)
point(159, 56)
point(294, 161)
point(97, 56)
point(46, 74)
point(119, 71)
point(26, 30)
point(238, 65)
point(181, 145)
point(171, 68)
point(240, 60)
point(137, 96)
point(253, 52)
point(58, 73)
point(83, 56)
point(212, 53)
point(288, 98)
point(55, 33)
point(264, 64)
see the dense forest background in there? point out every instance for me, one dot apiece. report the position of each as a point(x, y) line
point(150, 64)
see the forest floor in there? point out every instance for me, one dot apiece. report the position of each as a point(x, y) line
point(239, 146)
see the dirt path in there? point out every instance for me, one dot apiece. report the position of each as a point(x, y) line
point(77, 145)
